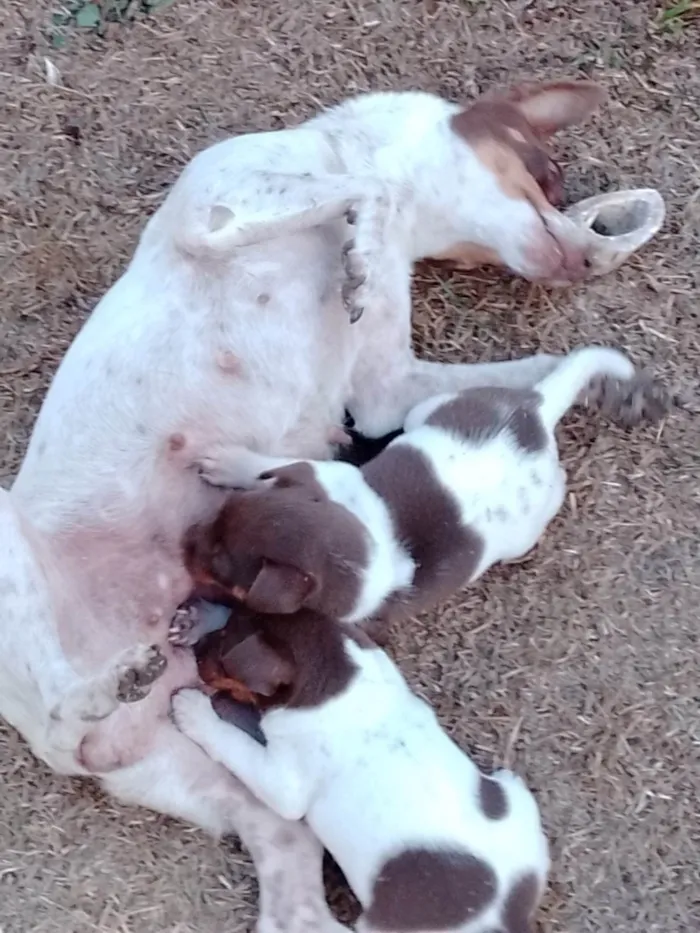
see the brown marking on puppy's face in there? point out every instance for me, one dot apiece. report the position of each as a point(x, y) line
point(282, 546)
point(518, 223)
point(273, 660)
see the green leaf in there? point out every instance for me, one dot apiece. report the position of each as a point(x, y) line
point(679, 9)
point(58, 40)
point(88, 16)
point(157, 4)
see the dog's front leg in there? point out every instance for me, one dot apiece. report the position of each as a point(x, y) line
point(273, 778)
point(388, 379)
point(177, 778)
point(278, 205)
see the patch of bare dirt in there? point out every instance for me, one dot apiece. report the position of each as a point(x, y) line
point(579, 667)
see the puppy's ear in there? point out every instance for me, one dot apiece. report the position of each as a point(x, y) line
point(553, 106)
point(280, 589)
point(257, 665)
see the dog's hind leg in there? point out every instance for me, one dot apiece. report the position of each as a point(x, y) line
point(178, 779)
point(125, 680)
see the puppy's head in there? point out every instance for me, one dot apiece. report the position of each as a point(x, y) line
point(282, 546)
point(510, 187)
point(295, 660)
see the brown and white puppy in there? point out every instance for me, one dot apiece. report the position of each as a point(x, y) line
point(475, 479)
point(425, 840)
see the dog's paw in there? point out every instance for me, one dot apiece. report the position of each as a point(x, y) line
point(354, 288)
point(183, 630)
point(139, 671)
point(630, 402)
point(189, 708)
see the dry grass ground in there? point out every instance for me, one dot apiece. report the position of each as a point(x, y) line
point(581, 666)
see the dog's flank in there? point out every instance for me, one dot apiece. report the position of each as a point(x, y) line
point(426, 841)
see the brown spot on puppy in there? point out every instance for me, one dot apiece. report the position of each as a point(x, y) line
point(492, 799)
point(430, 890)
point(480, 414)
point(520, 905)
point(427, 522)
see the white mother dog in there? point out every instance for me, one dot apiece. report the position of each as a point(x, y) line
point(228, 331)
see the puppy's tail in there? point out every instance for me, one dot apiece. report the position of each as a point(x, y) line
point(561, 388)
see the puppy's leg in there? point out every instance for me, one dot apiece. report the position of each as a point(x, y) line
point(178, 779)
point(126, 680)
point(273, 778)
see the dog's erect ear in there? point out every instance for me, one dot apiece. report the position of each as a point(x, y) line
point(257, 665)
point(280, 588)
point(553, 106)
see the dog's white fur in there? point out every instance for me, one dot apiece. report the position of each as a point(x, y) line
point(226, 332)
point(373, 774)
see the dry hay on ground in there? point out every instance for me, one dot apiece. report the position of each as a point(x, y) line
point(579, 667)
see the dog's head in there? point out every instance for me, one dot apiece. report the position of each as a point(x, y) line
point(509, 187)
point(282, 546)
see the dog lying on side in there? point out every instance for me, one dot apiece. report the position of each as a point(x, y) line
point(229, 333)
point(425, 840)
point(475, 479)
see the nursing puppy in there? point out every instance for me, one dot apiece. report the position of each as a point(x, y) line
point(425, 840)
point(475, 479)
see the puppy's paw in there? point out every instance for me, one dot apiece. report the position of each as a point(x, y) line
point(183, 630)
point(139, 671)
point(189, 709)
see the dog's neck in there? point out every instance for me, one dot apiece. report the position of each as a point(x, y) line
point(406, 140)
point(389, 568)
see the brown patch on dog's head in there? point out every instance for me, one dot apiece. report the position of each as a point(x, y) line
point(277, 660)
point(517, 224)
point(282, 546)
point(507, 131)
